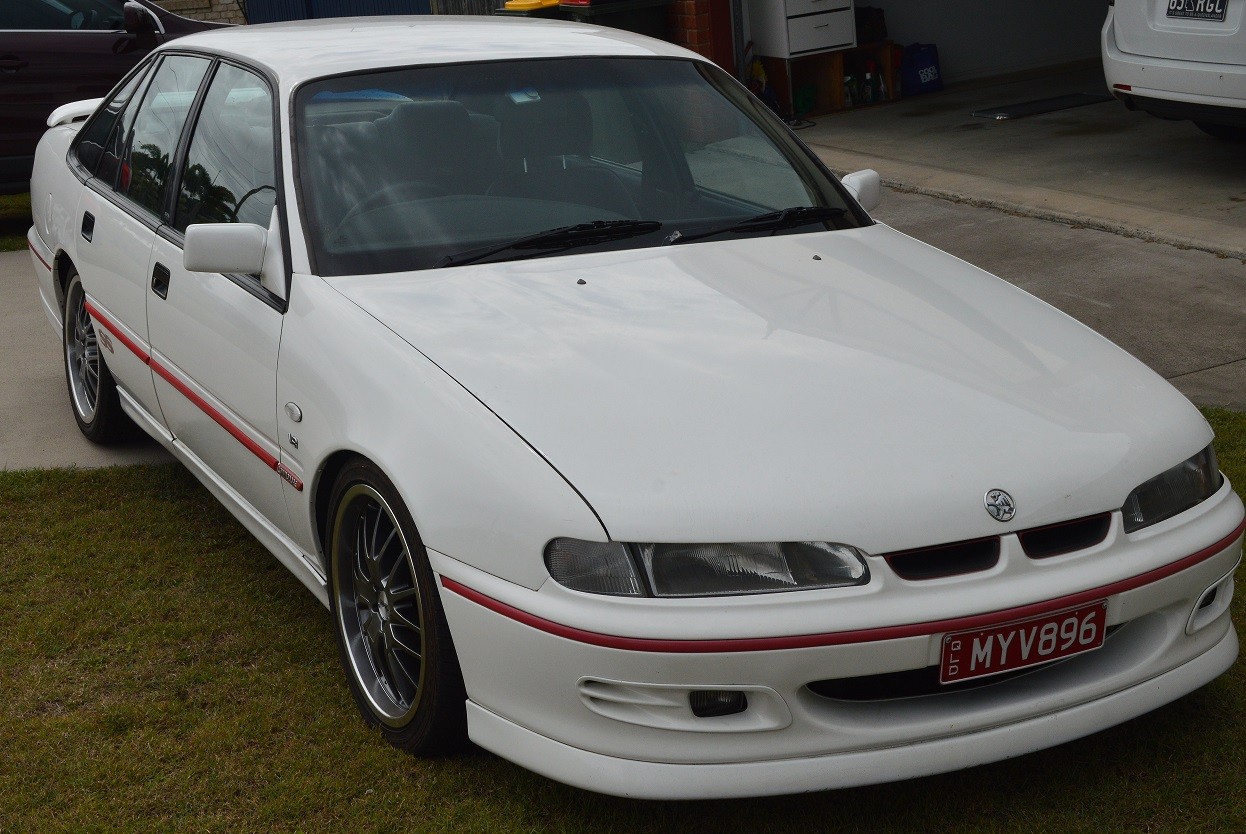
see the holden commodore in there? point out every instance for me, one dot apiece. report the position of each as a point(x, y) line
point(612, 431)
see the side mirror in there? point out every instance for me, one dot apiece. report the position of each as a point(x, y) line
point(865, 186)
point(138, 20)
point(225, 247)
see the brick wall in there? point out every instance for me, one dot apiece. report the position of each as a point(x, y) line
point(220, 11)
point(690, 26)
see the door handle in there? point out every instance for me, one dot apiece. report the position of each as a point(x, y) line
point(11, 63)
point(88, 225)
point(160, 280)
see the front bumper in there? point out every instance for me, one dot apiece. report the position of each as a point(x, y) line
point(609, 713)
point(660, 780)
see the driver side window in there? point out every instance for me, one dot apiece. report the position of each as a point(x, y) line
point(87, 15)
point(230, 172)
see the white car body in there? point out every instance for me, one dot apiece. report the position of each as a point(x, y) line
point(1178, 67)
point(849, 385)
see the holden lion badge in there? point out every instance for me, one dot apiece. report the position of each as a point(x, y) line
point(1000, 505)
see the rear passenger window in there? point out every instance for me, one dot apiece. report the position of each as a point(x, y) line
point(157, 127)
point(229, 175)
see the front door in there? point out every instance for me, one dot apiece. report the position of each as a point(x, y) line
point(215, 338)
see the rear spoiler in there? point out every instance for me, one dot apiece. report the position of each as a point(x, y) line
point(75, 111)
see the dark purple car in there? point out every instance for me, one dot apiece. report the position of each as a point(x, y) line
point(57, 51)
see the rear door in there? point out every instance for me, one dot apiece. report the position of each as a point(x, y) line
point(53, 52)
point(215, 337)
point(123, 206)
point(1208, 31)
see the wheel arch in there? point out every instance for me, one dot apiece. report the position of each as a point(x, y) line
point(322, 492)
point(63, 266)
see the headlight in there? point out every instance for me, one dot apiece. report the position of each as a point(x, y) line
point(702, 570)
point(1186, 484)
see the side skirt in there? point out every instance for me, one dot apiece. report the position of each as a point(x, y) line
point(304, 567)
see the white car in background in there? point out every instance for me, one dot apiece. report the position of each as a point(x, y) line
point(607, 424)
point(1180, 59)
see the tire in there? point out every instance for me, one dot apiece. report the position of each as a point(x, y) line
point(92, 390)
point(1233, 133)
point(392, 637)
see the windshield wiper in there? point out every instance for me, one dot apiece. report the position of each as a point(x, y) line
point(563, 237)
point(771, 221)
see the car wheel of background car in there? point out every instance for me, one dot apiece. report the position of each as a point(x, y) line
point(392, 635)
point(1231, 132)
point(92, 391)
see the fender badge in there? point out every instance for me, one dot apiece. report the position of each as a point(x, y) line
point(106, 340)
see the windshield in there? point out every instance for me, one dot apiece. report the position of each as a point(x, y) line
point(441, 166)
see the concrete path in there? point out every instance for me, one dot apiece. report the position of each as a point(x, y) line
point(1100, 166)
point(1181, 311)
point(37, 428)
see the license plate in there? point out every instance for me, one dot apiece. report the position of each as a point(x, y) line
point(1198, 9)
point(1023, 643)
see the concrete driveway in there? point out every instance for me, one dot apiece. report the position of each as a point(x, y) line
point(1100, 165)
point(37, 428)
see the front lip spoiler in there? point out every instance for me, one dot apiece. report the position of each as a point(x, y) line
point(838, 638)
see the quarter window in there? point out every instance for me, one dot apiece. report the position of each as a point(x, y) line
point(95, 137)
point(157, 128)
point(229, 175)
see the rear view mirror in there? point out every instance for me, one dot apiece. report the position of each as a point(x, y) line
point(865, 186)
point(137, 18)
point(225, 247)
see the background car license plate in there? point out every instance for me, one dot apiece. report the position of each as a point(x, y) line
point(1016, 645)
point(1198, 9)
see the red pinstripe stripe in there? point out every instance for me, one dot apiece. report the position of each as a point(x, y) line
point(203, 405)
point(112, 328)
point(35, 252)
point(838, 638)
point(220, 419)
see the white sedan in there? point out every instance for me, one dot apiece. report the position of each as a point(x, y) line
point(610, 428)
point(1180, 59)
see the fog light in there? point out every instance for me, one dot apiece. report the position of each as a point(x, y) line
point(712, 703)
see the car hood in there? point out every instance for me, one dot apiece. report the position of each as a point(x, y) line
point(854, 386)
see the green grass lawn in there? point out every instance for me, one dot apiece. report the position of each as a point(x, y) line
point(14, 221)
point(159, 671)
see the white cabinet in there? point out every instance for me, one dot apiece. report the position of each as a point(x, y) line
point(791, 28)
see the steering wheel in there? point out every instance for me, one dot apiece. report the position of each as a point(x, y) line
point(393, 194)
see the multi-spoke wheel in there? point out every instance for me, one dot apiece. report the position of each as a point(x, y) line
point(392, 635)
point(92, 391)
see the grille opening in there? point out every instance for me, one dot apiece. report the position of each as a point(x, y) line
point(945, 559)
point(1065, 537)
point(1209, 599)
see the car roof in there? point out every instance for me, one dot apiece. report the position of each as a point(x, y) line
point(306, 49)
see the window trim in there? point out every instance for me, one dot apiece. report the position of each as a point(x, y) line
point(164, 227)
point(171, 234)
